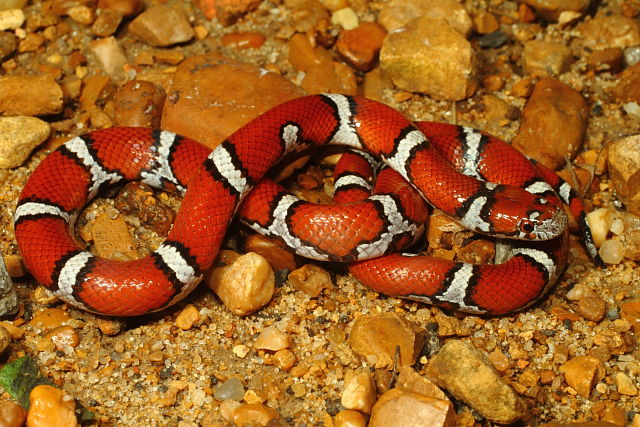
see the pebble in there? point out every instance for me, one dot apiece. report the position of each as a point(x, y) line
point(627, 86)
point(485, 23)
point(398, 13)
point(175, 26)
point(11, 19)
point(349, 418)
point(138, 103)
point(631, 55)
point(591, 308)
point(12, 414)
point(227, 11)
point(188, 317)
point(409, 380)
point(429, 56)
point(606, 31)
point(582, 373)
point(553, 9)
point(8, 297)
point(138, 199)
point(49, 318)
point(127, 8)
point(546, 58)
point(24, 95)
point(284, 359)
point(245, 286)
point(5, 339)
point(278, 257)
point(623, 162)
point(359, 391)
point(19, 135)
point(112, 239)
point(110, 55)
point(612, 251)
point(231, 389)
point(254, 414)
point(299, 390)
point(360, 46)
point(212, 96)
point(107, 22)
point(310, 279)
point(50, 406)
point(63, 337)
point(375, 337)
point(630, 311)
point(399, 408)
point(600, 221)
point(273, 339)
point(346, 18)
point(624, 384)
point(44, 296)
point(604, 60)
point(467, 374)
point(110, 327)
point(555, 112)
point(244, 40)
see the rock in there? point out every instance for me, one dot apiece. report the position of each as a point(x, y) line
point(273, 339)
point(346, 18)
point(627, 86)
point(485, 23)
point(188, 317)
point(8, 44)
point(310, 279)
point(63, 338)
point(29, 95)
point(410, 380)
point(138, 103)
point(5, 339)
point(12, 414)
point(127, 8)
point(212, 96)
point(359, 392)
point(604, 60)
point(109, 55)
point(398, 13)
point(244, 286)
point(112, 238)
point(50, 406)
point(110, 327)
point(227, 11)
point(591, 308)
point(138, 199)
point(544, 58)
point(19, 135)
point(553, 124)
point(469, 375)
point(255, 414)
point(624, 384)
point(284, 359)
point(107, 22)
point(244, 40)
point(553, 9)
point(600, 221)
point(349, 418)
point(175, 27)
point(399, 408)
point(429, 56)
point(582, 373)
point(624, 170)
point(279, 258)
point(375, 337)
point(612, 251)
point(11, 19)
point(361, 45)
point(8, 297)
point(231, 389)
point(606, 31)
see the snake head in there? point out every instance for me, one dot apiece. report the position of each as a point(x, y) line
point(515, 213)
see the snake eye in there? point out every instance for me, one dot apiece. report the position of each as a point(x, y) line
point(526, 226)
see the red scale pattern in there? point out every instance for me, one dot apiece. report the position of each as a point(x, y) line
point(136, 287)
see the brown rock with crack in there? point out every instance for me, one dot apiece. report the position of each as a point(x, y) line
point(582, 373)
point(553, 124)
point(376, 337)
point(470, 376)
point(401, 408)
point(213, 96)
point(624, 170)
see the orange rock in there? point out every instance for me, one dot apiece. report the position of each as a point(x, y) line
point(375, 337)
point(243, 40)
point(630, 311)
point(545, 58)
point(112, 239)
point(255, 414)
point(396, 407)
point(128, 8)
point(582, 373)
point(212, 96)
point(359, 392)
point(12, 414)
point(51, 406)
point(175, 28)
point(624, 169)
point(138, 103)
point(63, 336)
point(361, 46)
point(553, 123)
point(310, 279)
point(279, 258)
point(49, 318)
